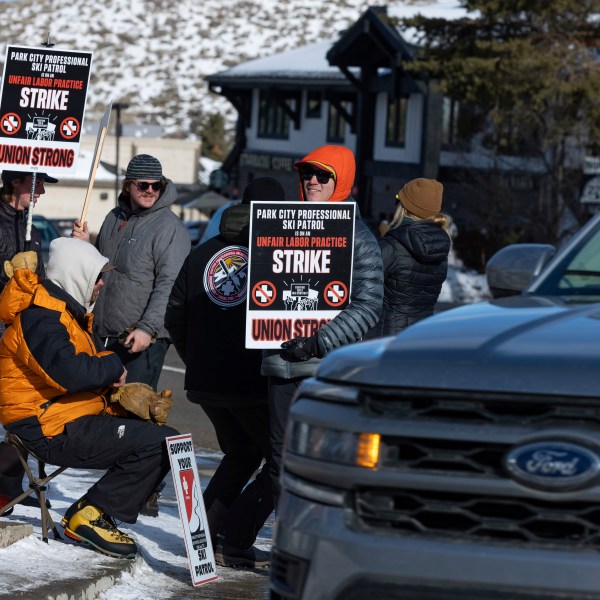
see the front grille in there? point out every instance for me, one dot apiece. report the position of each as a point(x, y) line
point(481, 518)
point(476, 408)
point(457, 457)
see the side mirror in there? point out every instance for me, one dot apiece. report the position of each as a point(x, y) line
point(511, 269)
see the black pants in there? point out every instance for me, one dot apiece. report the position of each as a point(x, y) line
point(133, 451)
point(143, 367)
point(243, 436)
point(281, 393)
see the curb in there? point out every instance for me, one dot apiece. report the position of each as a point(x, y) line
point(94, 583)
point(75, 589)
point(13, 531)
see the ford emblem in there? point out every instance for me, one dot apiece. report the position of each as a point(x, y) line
point(553, 466)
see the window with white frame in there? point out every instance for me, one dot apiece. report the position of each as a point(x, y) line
point(395, 132)
point(273, 120)
point(336, 122)
point(450, 110)
point(314, 100)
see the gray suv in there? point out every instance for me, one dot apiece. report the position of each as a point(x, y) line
point(461, 458)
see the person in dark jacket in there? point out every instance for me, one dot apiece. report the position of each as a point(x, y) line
point(15, 197)
point(206, 316)
point(326, 175)
point(415, 251)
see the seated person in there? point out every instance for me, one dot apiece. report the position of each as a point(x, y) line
point(54, 394)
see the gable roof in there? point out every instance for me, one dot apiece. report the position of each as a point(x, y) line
point(373, 39)
point(301, 64)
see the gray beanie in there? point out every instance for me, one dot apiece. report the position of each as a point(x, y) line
point(144, 166)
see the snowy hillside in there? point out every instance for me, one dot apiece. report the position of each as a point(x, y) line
point(154, 54)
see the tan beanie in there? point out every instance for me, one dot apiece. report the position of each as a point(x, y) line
point(422, 197)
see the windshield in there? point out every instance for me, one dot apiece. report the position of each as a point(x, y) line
point(577, 276)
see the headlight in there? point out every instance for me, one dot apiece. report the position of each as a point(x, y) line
point(334, 445)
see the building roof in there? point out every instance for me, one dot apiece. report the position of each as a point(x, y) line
point(301, 64)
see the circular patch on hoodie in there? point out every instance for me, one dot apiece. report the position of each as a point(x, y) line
point(226, 276)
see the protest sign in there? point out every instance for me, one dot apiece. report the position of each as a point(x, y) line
point(42, 105)
point(191, 508)
point(300, 273)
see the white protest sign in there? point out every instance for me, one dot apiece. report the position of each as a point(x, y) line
point(300, 274)
point(191, 508)
point(42, 105)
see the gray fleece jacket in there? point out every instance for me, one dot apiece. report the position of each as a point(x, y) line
point(147, 249)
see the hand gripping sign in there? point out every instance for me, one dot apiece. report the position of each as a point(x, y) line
point(300, 273)
point(191, 508)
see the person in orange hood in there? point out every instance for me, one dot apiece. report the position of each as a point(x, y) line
point(326, 175)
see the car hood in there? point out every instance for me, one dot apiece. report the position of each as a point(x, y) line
point(517, 345)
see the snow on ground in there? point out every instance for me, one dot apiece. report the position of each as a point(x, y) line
point(164, 572)
point(463, 285)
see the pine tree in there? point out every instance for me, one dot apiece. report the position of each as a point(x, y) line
point(532, 67)
point(216, 140)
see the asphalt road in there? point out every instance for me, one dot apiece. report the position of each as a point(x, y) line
point(185, 416)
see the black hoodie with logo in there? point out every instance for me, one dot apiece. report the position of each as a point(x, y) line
point(206, 317)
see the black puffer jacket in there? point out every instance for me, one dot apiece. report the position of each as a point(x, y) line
point(13, 225)
point(415, 265)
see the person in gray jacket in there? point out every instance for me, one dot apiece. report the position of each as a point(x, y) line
point(326, 175)
point(147, 244)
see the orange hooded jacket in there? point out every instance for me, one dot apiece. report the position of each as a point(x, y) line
point(26, 389)
point(339, 161)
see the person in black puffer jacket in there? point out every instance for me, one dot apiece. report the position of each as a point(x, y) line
point(415, 257)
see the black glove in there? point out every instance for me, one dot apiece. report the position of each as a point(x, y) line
point(301, 348)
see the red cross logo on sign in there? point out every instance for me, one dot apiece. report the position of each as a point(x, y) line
point(335, 293)
point(69, 128)
point(264, 293)
point(10, 124)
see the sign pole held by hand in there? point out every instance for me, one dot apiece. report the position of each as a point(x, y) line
point(96, 159)
point(30, 212)
point(46, 44)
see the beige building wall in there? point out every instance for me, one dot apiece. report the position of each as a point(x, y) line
point(65, 199)
point(179, 158)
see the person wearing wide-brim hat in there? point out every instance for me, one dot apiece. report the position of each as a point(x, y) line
point(15, 195)
point(414, 248)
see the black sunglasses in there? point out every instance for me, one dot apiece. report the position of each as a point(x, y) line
point(144, 185)
point(322, 176)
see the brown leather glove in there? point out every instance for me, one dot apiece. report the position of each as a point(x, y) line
point(144, 402)
point(21, 260)
point(159, 410)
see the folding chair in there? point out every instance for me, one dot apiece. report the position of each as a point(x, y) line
point(36, 484)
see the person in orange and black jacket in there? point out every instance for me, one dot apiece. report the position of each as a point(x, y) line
point(326, 175)
point(206, 319)
point(15, 199)
point(53, 392)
